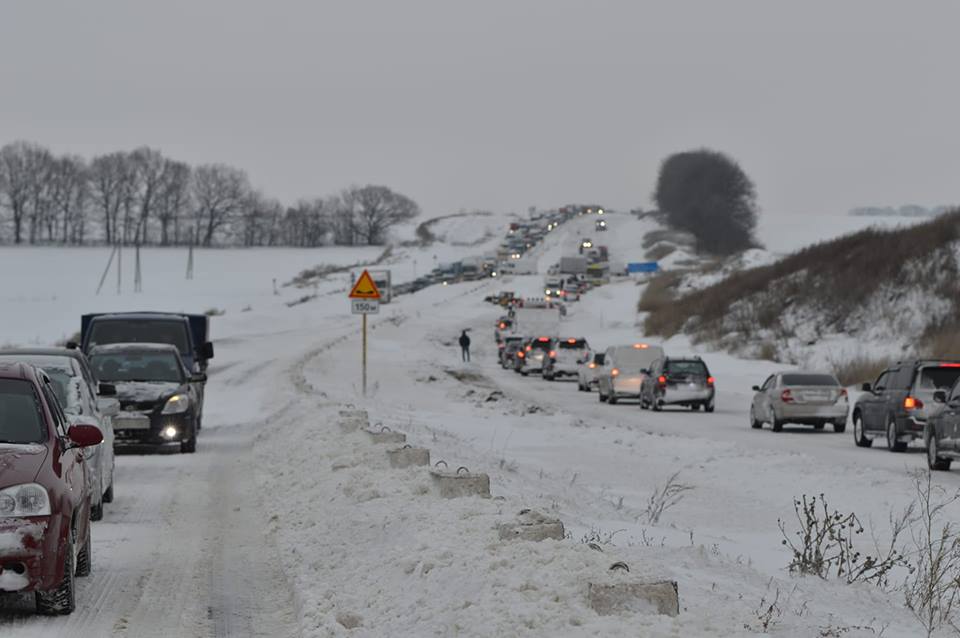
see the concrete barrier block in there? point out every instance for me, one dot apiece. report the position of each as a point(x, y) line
point(461, 483)
point(531, 526)
point(386, 435)
point(407, 456)
point(609, 599)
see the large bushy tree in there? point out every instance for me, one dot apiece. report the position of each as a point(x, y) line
point(706, 193)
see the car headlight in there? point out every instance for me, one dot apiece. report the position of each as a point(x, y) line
point(177, 404)
point(28, 499)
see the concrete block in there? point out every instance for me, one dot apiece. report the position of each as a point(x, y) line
point(386, 435)
point(463, 482)
point(609, 599)
point(531, 526)
point(407, 456)
point(353, 420)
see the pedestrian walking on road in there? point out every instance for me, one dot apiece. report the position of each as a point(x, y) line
point(465, 346)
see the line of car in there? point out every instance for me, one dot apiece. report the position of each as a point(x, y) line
point(912, 400)
point(135, 380)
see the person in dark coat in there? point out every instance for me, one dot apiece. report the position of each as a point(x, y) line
point(465, 346)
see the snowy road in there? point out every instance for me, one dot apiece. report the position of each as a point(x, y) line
point(180, 552)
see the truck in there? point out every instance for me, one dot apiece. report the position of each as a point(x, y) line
point(522, 266)
point(575, 265)
point(189, 333)
point(531, 322)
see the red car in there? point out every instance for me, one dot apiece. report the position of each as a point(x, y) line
point(44, 497)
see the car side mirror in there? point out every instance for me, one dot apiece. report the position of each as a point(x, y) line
point(206, 351)
point(84, 435)
point(866, 387)
point(940, 396)
point(108, 406)
point(107, 390)
point(756, 388)
point(200, 377)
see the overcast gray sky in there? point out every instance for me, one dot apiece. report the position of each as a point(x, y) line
point(827, 104)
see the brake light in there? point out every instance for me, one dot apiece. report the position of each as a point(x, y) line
point(640, 346)
point(520, 354)
point(553, 354)
point(591, 365)
point(786, 396)
point(912, 403)
point(710, 381)
point(614, 372)
point(528, 348)
point(543, 339)
point(571, 340)
point(950, 365)
point(662, 380)
point(843, 394)
point(502, 325)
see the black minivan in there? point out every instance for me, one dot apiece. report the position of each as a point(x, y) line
point(898, 404)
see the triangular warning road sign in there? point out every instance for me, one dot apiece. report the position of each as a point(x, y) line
point(365, 288)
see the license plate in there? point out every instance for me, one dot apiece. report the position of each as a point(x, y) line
point(131, 423)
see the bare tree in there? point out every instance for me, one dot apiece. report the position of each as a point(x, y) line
point(110, 183)
point(376, 209)
point(173, 199)
point(23, 171)
point(220, 193)
point(70, 192)
point(258, 219)
point(149, 166)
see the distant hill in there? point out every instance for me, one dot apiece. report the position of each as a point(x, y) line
point(910, 210)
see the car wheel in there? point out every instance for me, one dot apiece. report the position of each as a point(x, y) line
point(189, 446)
point(656, 405)
point(524, 373)
point(709, 407)
point(776, 424)
point(601, 396)
point(612, 399)
point(858, 437)
point(96, 511)
point(84, 558)
point(892, 443)
point(934, 461)
point(819, 426)
point(840, 426)
point(62, 599)
point(108, 495)
point(756, 425)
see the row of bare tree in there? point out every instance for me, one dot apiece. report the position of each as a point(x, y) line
point(142, 197)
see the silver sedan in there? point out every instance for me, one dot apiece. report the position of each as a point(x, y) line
point(804, 398)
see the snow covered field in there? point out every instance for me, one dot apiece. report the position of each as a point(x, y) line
point(282, 524)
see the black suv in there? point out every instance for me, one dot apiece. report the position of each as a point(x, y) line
point(942, 437)
point(684, 381)
point(897, 405)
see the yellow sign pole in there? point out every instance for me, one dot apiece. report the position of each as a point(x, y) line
point(364, 356)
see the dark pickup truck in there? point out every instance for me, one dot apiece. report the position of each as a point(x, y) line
point(189, 333)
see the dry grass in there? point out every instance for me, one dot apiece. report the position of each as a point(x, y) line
point(942, 341)
point(859, 369)
point(658, 298)
point(836, 277)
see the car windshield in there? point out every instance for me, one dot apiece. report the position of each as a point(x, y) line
point(810, 379)
point(540, 344)
point(137, 366)
point(21, 419)
point(58, 368)
point(936, 378)
point(631, 358)
point(686, 367)
point(573, 344)
point(104, 332)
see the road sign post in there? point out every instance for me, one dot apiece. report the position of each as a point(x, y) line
point(364, 300)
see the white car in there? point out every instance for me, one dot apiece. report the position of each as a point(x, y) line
point(79, 395)
point(588, 371)
point(623, 371)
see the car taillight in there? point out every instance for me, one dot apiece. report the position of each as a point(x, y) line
point(912, 403)
point(528, 348)
point(520, 354)
point(710, 381)
point(543, 339)
point(501, 346)
point(553, 353)
point(614, 372)
point(591, 365)
point(662, 380)
point(502, 325)
point(786, 396)
point(571, 340)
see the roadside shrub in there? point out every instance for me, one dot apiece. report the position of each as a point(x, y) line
point(659, 251)
point(826, 544)
point(942, 340)
point(859, 369)
point(658, 298)
point(664, 497)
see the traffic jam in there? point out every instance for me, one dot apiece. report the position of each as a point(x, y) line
point(133, 382)
point(913, 400)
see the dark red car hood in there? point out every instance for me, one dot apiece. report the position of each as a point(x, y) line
point(20, 463)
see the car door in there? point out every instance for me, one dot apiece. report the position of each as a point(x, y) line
point(105, 448)
point(604, 378)
point(949, 421)
point(71, 465)
point(873, 404)
point(761, 400)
